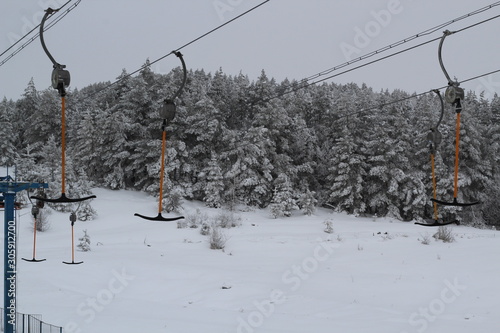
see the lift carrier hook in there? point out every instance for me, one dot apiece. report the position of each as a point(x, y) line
point(167, 112)
point(434, 139)
point(60, 81)
point(454, 96)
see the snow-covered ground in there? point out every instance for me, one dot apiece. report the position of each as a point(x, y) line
point(275, 275)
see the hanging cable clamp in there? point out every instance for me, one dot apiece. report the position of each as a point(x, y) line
point(434, 138)
point(51, 11)
point(72, 218)
point(168, 110)
point(60, 77)
point(34, 211)
point(164, 125)
point(453, 94)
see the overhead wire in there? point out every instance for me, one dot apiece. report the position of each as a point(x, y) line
point(33, 38)
point(182, 47)
point(401, 42)
point(27, 34)
point(308, 84)
point(380, 106)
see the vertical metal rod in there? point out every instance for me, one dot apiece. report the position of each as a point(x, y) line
point(34, 239)
point(63, 144)
point(457, 153)
point(162, 167)
point(434, 187)
point(72, 244)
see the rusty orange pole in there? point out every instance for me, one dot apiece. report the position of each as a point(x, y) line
point(72, 244)
point(457, 147)
point(434, 187)
point(162, 166)
point(34, 240)
point(63, 145)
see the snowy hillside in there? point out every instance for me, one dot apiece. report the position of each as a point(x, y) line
point(275, 275)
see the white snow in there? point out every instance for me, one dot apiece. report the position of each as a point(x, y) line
point(275, 275)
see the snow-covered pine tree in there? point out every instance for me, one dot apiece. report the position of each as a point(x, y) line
point(347, 173)
point(112, 147)
point(249, 168)
point(203, 132)
point(172, 196)
point(88, 142)
point(283, 202)
point(138, 112)
point(8, 153)
point(214, 183)
point(254, 141)
point(27, 168)
point(476, 164)
point(84, 244)
point(78, 186)
point(307, 202)
point(27, 108)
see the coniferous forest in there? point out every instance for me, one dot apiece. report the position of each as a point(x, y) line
point(234, 142)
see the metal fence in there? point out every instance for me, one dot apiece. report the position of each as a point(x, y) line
point(30, 324)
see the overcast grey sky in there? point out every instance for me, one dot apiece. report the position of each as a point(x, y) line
point(286, 38)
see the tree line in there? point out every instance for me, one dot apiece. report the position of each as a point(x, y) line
point(234, 142)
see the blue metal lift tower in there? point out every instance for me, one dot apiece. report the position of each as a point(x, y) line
point(8, 189)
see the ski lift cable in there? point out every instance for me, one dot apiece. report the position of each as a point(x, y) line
point(182, 47)
point(380, 106)
point(413, 47)
point(27, 34)
point(308, 84)
point(31, 39)
point(426, 32)
point(401, 42)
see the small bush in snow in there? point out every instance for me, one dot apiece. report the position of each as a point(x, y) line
point(196, 219)
point(308, 202)
point(173, 200)
point(182, 224)
point(84, 242)
point(217, 238)
point(205, 229)
point(226, 219)
point(426, 239)
point(328, 226)
point(445, 234)
point(86, 212)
